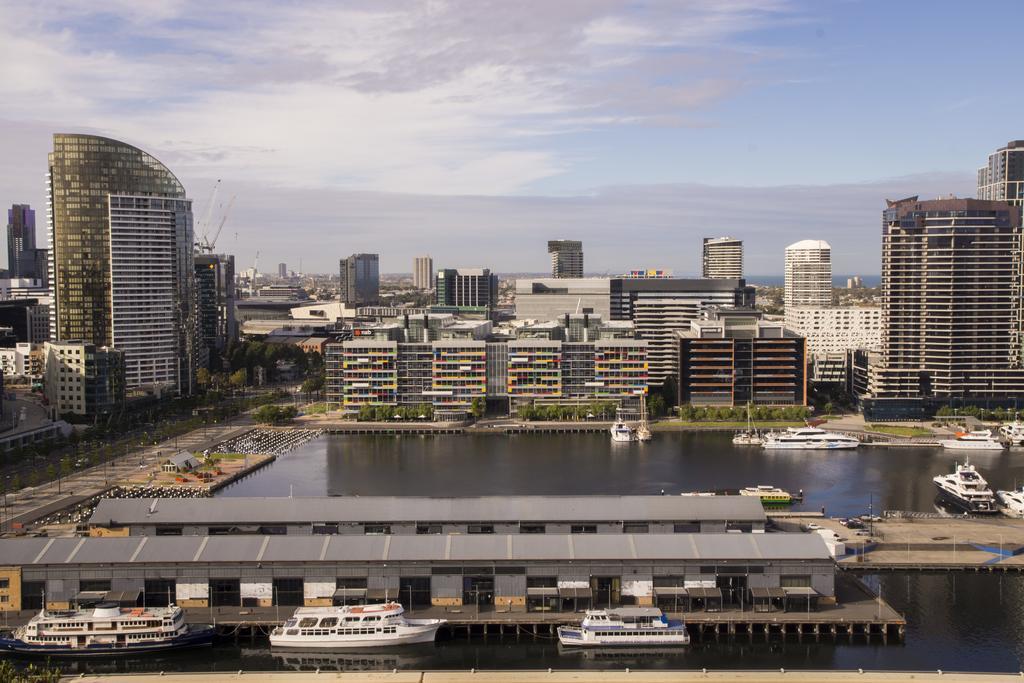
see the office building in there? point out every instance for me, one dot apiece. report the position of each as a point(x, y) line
point(423, 272)
point(466, 290)
point(81, 378)
point(215, 296)
point(951, 307)
point(855, 282)
point(120, 233)
point(723, 258)
point(360, 280)
point(1002, 179)
point(837, 329)
point(27, 319)
point(808, 273)
point(550, 298)
point(733, 357)
point(566, 258)
point(21, 241)
point(282, 270)
point(661, 306)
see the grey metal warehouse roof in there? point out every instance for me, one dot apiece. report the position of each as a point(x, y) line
point(457, 548)
point(136, 511)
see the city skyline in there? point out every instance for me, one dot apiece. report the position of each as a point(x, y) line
point(652, 122)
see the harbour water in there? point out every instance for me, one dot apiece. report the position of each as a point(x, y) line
point(843, 482)
point(963, 621)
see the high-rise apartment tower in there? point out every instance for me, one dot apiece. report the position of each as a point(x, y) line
point(723, 258)
point(121, 258)
point(360, 279)
point(1002, 179)
point(21, 241)
point(808, 274)
point(951, 303)
point(566, 258)
point(423, 272)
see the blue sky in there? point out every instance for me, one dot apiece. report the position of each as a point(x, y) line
point(476, 130)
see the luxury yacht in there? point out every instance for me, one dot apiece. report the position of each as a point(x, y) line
point(809, 438)
point(1013, 432)
point(966, 490)
point(1012, 502)
point(979, 440)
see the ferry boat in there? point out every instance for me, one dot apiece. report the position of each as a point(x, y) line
point(624, 627)
point(978, 440)
point(769, 495)
point(1013, 432)
point(1012, 502)
point(379, 625)
point(809, 438)
point(106, 630)
point(966, 490)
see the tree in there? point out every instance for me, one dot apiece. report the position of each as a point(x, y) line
point(203, 377)
point(476, 407)
point(238, 379)
point(313, 385)
point(271, 414)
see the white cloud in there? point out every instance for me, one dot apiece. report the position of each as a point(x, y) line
point(437, 96)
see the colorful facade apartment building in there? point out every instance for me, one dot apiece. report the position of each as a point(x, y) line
point(620, 368)
point(370, 372)
point(459, 373)
point(534, 368)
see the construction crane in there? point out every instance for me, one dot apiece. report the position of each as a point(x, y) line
point(206, 243)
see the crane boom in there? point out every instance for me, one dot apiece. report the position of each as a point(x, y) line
point(211, 243)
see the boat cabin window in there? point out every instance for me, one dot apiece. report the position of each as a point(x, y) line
point(375, 618)
point(308, 622)
point(328, 622)
point(351, 619)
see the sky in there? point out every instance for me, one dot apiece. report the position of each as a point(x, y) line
point(476, 130)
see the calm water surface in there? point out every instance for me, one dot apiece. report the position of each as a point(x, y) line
point(844, 482)
point(956, 622)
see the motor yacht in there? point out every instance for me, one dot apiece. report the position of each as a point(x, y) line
point(378, 625)
point(1013, 433)
point(621, 432)
point(1012, 502)
point(978, 440)
point(966, 490)
point(106, 630)
point(624, 627)
point(809, 438)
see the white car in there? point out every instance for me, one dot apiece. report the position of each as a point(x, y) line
point(813, 527)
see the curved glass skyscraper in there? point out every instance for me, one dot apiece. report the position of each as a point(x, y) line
point(120, 232)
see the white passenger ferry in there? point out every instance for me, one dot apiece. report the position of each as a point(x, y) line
point(106, 630)
point(977, 440)
point(380, 625)
point(624, 627)
point(812, 438)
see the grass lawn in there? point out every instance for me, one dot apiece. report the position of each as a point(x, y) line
point(228, 456)
point(726, 424)
point(899, 431)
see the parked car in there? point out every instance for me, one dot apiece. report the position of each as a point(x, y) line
point(813, 527)
point(854, 524)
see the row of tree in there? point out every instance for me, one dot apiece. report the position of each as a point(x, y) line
point(423, 411)
point(739, 413)
point(600, 410)
point(271, 414)
point(997, 414)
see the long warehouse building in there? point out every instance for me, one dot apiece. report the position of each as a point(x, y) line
point(392, 515)
point(513, 572)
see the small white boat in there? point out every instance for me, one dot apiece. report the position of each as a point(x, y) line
point(1013, 432)
point(978, 440)
point(966, 490)
point(748, 437)
point(380, 625)
point(621, 432)
point(106, 630)
point(809, 438)
point(1012, 502)
point(624, 627)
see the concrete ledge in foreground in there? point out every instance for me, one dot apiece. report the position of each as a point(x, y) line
point(527, 676)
